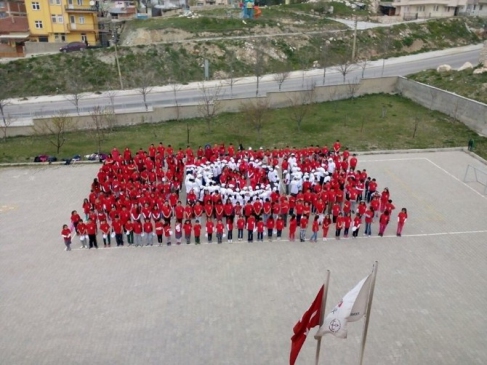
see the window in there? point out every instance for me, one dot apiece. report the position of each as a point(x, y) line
point(35, 5)
point(38, 24)
point(57, 19)
point(474, 7)
point(44, 39)
point(83, 37)
point(420, 8)
point(82, 20)
point(436, 8)
point(55, 2)
point(481, 7)
point(79, 2)
point(60, 37)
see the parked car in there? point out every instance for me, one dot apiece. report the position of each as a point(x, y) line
point(72, 47)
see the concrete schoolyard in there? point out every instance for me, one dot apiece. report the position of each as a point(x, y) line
point(237, 303)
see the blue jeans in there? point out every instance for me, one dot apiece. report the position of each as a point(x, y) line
point(368, 229)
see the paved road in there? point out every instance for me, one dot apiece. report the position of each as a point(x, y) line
point(236, 304)
point(190, 94)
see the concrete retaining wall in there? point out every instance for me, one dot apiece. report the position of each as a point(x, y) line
point(42, 47)
point(470, 112)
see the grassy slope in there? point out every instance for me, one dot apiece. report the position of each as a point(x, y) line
point(357, 123)
point(50, 74)
point(463, 83)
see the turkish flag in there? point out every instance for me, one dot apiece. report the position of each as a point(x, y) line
point(310, 319)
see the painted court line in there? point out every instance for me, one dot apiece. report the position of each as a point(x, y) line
point(331, 239)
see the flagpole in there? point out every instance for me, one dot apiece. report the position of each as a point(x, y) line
point(322, 315)
point(369, 307)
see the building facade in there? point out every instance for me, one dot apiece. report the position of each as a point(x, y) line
point(424, 9)
point(63, 20)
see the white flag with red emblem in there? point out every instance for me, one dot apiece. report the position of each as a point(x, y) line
point(350, 309)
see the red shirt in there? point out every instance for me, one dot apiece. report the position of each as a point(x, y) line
point(279, 224)
point(91, 227)
point(209, 227)
point(117, 226)
point(197, 229)
point(303, 224)
point(270, 223)
point(240, 223)
point(401, 217)
point(159, 227)
point(219, 227)
point(66, 233)
point(260, 226)
point(105, 227)
point(251, 223)
point(293, 223)
point(148, 228)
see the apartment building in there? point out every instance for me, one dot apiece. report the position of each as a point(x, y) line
point(12, 8)
point(63, 20)
point(421, 9)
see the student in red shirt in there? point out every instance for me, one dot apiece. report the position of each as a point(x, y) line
point(293, 223)
point(326, 226)
point(197, 232)
point(369, 219)
point(260, 229)
point(338, 226)
point(91, 229)
point(118, 230)
point(402, 217)
point(240, 227)
point(383, 222)
point(66, 233)
point(230, 229)
point(279, 227)
point(159, 229)
point(347, 222)
point(105, 230)
point(149, 233)
point(75, 219)
point(219, 231)
point(209, 229)
point(168, 233)
point(315, 228)
point(357, 221)
point(83, 238)
point(270, 224)
point(250, 228)
point(187, 228)
point(137, 229)
point(303, 225)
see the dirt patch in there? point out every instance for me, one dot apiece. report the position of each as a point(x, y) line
point(145, 36)
point(417, 45)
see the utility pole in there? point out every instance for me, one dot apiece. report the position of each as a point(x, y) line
point(118, 67)
point(354, 39)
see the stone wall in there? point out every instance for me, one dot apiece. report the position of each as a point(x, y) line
point(31, 48)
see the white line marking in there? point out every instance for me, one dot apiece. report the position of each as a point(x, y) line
point(331, 239)
point(395, 159)
point(456, 178)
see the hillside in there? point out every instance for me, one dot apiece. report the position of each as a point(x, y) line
point(158, 64)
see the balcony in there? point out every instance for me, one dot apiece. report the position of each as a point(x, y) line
point(81, 9)
point(81, 27)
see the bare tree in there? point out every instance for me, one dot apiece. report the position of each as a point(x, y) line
point(259, 65)
point(210, 103)
point(353, 87)
point(324, 56)
point(232, 60)
point(98, 126)
point(111, 95)
point(304, 61)
point(417, 121)
point(345, 67)
point(54, 129)
point(255, 112)
point(144, 79)
point(363, 65)
point(281, 76)
point(7, 121)
point(75, 85)
point(385, 49)
point(301, 104)
point(333, 98)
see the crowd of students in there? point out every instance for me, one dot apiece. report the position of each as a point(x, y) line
point(136, 199)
